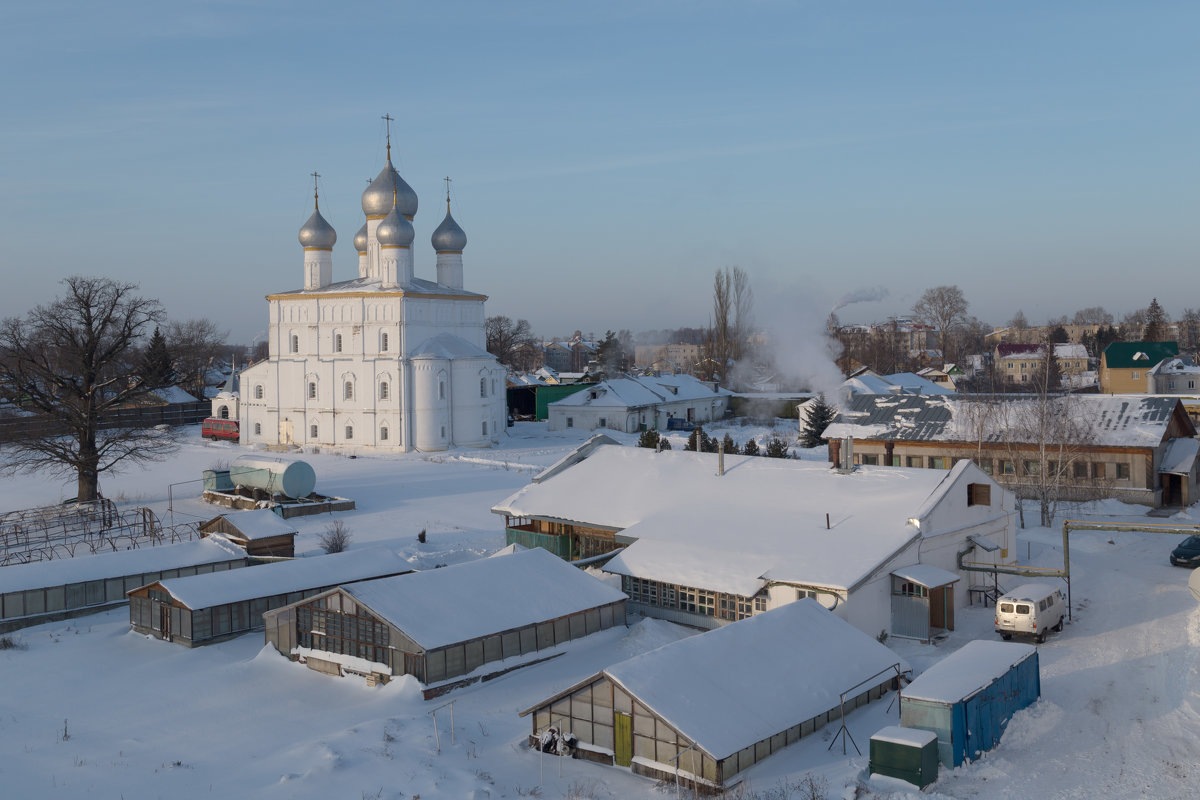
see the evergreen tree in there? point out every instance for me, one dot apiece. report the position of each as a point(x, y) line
point(820, 415)
point(695, 441)
point(664, 443)
point(777, 448)
point(751, 448)
point(156, 369)
point(1156, 323)
point(730, 445)
point(650, 439)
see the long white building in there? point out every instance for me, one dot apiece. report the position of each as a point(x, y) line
point(384, 360)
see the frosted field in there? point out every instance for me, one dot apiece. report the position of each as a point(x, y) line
point(91, 709)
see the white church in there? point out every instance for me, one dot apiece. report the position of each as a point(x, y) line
point(386, 360)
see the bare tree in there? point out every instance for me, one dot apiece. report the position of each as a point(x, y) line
point(70, 363)
point(1093, 315)
point(195, 344)
point(945, 308)
point(1019, 321)
point(336, 537)
point(510, 342)
point(1189, 330)
point(732, 320)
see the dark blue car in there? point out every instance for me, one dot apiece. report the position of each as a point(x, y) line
point(1187, 554)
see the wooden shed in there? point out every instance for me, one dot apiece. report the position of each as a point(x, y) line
point(445, 624)
point(702, 709)
point(207, 608)
point(262, 532)
point(66, 587)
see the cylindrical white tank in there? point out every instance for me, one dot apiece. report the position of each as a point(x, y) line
point(274, 475)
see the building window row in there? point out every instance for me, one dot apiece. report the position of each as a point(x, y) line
point(692, 600)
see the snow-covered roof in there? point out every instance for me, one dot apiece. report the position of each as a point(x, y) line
point(913, 737)
point(641, 391)
point(261, 523)
point(282, 577)
point(1175, 366)
point(869, 383)
point(1105, 420)
point(926, 575)
point(448, 346)
point(454, 604)
point(741, 683)
point(61, 571)
point(174, 394)
point(964, 672)
point(693, 525)
point(1180, 456)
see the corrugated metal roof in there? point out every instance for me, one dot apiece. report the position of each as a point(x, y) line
point(1113, 420)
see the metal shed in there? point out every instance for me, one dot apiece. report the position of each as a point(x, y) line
point(447, 623)
point(204, 609)
point(968, 697)
point(66, 587)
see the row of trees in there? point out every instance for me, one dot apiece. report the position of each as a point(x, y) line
point(700, 442)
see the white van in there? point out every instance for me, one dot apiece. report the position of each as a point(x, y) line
point(1031, 609)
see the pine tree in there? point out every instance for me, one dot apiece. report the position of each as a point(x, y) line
point(730, 445)
point(820, 415)
point(664, 443)
point(777, 448)
point(751, 448)
point(1156, 323)
point(650, 439)
point(695, 441)
point(156, 369)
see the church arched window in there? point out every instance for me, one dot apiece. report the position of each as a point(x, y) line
point(295, 343)
point(383, 342)
point(337, 343)
point(348, 391)
point(312, 390)
point(483, 387)
point(223, 412)
point(258, 391)
point(258, 429)
point(312, 431)
point(383, 434)
point(349, 431)
point(383, 390)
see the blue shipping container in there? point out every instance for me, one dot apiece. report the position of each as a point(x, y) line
point(968, 697)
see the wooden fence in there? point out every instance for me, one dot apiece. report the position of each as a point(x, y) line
point(16, 427)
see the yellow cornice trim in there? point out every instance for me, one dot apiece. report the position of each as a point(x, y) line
point(371, 217)
point(450, 252)
point(311, 249)
point(393, 247)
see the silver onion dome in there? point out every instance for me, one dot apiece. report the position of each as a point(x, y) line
point(360, 239)
point(317, 232)
point(394, 230)
point(386, 190)
point(449, 237)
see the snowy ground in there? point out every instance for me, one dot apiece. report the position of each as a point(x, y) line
point(90, 709)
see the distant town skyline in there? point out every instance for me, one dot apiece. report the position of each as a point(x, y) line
point(607, 160)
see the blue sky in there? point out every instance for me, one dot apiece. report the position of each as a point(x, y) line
point(607, 158)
